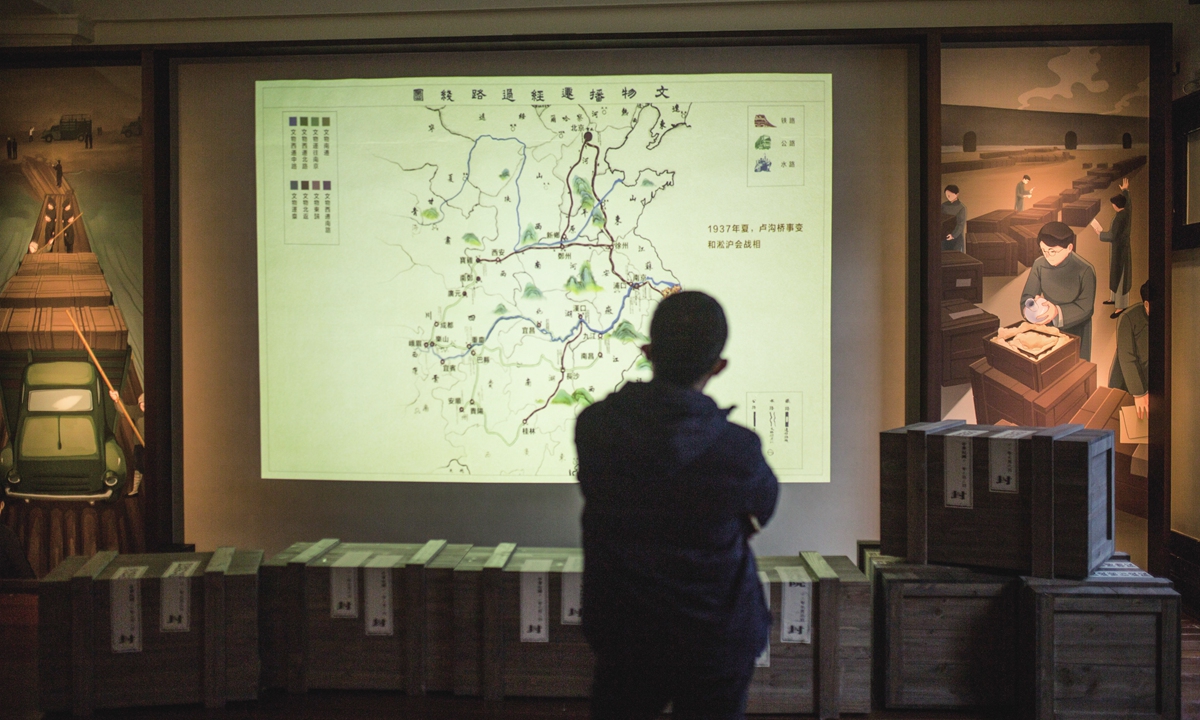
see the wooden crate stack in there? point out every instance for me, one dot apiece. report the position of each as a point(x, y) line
point(119, 631)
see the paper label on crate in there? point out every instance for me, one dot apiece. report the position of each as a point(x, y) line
point(795, 613)
point(764, 658)
point(175, 597)
point(343, 584)
point(1004, 473)
point(535, 594)
point(377, 598)
point(572, 590)
point(125, 609)
point(956, 468)
point(962, 282)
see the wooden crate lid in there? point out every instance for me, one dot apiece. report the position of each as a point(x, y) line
point(359, 554)
point(284, 557)
point(449, 557)
point(477, 558)
point(953, 258)
point(558, 558)
point(155, 563)
point(975, 316)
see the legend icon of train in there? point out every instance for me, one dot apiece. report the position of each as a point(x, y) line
point(488, 263)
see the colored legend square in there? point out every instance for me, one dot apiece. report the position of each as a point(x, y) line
point(328, 185)
point(304, 121)
point(316, 122)
point(303, 184)
point(292, 121)
point(295, 185)
point(325, 122)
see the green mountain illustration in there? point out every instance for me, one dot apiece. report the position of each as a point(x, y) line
point(586, 282)
point(430, 214)
point(579, 397)
point(626, 332)
point(598, 219)
point(647, 183)
point(587, 200)
point(532, 292)
point(642, 364)
point(500, 309)
point(528, 237)
point(472, 240)
point(763, 143)
point(504, 175)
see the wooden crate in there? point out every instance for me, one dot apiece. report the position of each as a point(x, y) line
point(824, 669)
point(1099, 650)
point(26, 291)
point(435, 603)
point(51, 328)
point(1081, 212)
point(115, 633)
point(1037, 373)
point(965, 328)
point(1103, 411)
point(945, 637)
point(347, 615)
point(559, 665)
point(1070, 196)
point(962, 277)
point(1028, 247)
point(1033, 216)
point(999, 397)
point(994, 222)
point(44, 263)
point(1053, 203)
point(894, 459)
point(468, 612)
point(996, 250)
point(1083, 182)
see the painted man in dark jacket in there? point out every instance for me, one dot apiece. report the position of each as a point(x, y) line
point(1120, 263)
point(1067, 282)
point(672, 603)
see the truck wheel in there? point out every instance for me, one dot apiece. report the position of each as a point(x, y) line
point(47, 138)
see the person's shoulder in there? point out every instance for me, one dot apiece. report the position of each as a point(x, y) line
point(1082, 264)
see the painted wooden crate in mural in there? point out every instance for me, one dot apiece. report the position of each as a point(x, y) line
point(965, 328)
point(44, 263)
point(962, 277)
point(819, 656)
point(1071, 195)
point(51, 328)
point(1000, 397)
point(1028, 247)
point(1081, 212)
point(1103, 411)
point(120, 631)
point(348, 615)
point(1024, 499)
point(1053, 203)
point(1033, 216)
point(26, 291)
point(995, 221)
point(996, 250)
point(1099, 650)
point(1038, 372)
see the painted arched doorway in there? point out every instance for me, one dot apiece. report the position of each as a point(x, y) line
point(1126, 141)
point(970, 142)
point(1072, 140)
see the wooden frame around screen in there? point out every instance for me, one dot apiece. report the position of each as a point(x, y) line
point(161, 282)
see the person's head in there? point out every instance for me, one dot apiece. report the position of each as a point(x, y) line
point(1025, 178)
point(951, 192)
point(1057, 241)
point(1145, 292)
point(142, 402)
point(687, 335)
point(1118, 202)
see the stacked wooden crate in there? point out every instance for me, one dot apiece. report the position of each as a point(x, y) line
point(50, 328)
point(818, 657)
point(27, 291)
point(119, 631)
point(962, 277)
point(1048, 389)
point(1103, 411)
point(44, 263)
point(965, 329)
point(1081, 211)
point(1028, 246)
point(996, 250)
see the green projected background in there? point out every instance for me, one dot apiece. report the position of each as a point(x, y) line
point(450, 269)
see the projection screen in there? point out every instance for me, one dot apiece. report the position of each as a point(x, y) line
point(451, 268)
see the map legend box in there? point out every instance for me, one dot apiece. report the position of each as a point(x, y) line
point(778, 418)
point(775, 146)
point(310, 166)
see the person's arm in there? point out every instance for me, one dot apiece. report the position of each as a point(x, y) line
point(1127, 356)
point(1033, 286)
point(1082, 307)
point(960, 224)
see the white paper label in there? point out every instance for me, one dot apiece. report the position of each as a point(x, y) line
point(125, 612)
point(965, 313)
point(764, 658)
point(572, 590)
point(795, 613)
point(175, 597)
point(962, 282)
point(377, 594)
point(535, 590)
point(343, 584)
point(1004, 474)
point(956, 468)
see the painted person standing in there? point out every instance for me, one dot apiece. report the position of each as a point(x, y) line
point(1067, 282)
point(1024, 192)
point(672, 603)
point(1120, 264)
point(952, 207)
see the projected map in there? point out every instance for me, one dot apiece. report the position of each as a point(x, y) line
point(452, 268)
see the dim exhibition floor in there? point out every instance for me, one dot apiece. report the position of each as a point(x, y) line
point(18, 696)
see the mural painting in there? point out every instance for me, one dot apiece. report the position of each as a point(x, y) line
point(1045, 244)
point(71, 416)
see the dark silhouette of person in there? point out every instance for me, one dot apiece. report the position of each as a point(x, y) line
point(952, 207)
point(672, 604)
point(58, 173)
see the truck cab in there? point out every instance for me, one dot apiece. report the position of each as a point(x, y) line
point(64, 448)
point(69, 127)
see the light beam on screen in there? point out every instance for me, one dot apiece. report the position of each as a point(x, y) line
point(450, 269)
